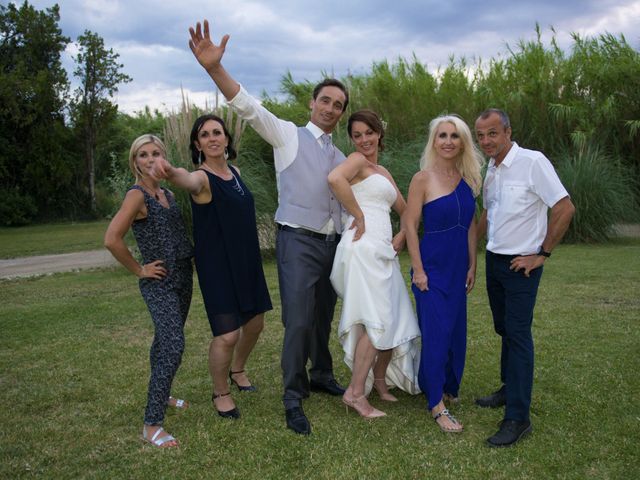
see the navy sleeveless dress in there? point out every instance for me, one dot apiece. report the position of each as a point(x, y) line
point(442, 310)
point(227, 255)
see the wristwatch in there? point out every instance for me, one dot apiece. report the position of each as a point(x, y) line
point(542, 252)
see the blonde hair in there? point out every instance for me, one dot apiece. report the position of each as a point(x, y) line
point(470, 161)
point(137, 144)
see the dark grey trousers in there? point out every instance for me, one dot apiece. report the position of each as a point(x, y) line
point(308, 301)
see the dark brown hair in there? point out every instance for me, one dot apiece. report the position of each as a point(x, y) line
point(197, 126)
point(372, 120)
point(332, 82)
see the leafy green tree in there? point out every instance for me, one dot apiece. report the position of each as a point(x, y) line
point(122, 131)
point(36, 170)
point(92, 110)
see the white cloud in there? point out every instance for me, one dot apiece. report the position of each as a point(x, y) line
point(146, 51)
point(305, 37)
point(619, 18)
point(163, 97)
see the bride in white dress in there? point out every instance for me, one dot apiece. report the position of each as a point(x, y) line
point(378, 328)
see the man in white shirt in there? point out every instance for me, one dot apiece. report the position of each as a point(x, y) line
point(520, 186)
point(308, 219)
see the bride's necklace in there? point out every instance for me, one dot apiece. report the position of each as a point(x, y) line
point(237, 187)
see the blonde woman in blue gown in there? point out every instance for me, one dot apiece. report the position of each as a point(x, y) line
point(444, 261)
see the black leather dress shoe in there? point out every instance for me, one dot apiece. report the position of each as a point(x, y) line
point(330, 386)
point(297, 420)
point(510, 432)
point(495, 400)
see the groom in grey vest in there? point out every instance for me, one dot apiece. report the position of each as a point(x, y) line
point(308, 220)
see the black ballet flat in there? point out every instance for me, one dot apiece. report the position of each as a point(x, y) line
point(241, 388)
point(234, 413)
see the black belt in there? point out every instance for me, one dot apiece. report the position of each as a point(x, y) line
point(503, 256)
point(331, 237)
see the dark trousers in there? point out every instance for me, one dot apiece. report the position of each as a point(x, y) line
point(512, 297)
point(308, 301)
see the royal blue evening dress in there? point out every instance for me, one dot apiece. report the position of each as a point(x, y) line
point(442, 310)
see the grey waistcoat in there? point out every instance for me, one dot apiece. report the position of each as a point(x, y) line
point(305, 197)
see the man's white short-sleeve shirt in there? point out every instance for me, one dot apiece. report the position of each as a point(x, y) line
point(517, 194)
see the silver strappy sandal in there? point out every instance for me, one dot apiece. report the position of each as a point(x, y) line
point(156, 440)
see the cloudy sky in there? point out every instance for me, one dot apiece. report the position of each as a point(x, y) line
point(271, 37)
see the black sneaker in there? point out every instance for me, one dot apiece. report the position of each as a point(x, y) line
point(297, 421)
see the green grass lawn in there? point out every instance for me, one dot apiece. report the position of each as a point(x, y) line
point(51, 238)
point(74, 357)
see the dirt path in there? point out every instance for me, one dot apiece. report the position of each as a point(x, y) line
point(68, 262)
point(43, 264)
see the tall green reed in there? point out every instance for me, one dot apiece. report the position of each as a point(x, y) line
point(602, 191)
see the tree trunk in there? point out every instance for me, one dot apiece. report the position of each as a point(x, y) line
point(91, 170)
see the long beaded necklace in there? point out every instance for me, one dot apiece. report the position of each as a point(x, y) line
point(237, 187)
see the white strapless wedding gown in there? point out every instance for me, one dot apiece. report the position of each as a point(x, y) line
point(366, 274)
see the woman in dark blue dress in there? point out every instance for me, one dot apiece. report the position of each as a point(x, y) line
point(444, 261)
point(227, 257)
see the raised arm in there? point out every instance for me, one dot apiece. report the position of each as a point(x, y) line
point(209, 55)
point(410, 222)
point(278, 133)
point(132, 208)
point(340, 182)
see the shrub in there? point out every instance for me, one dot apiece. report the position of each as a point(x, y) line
point(110, 197)
point(16, 207)
point(107, 202)
point(602, 191)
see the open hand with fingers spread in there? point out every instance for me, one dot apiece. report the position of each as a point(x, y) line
point(206, 52)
